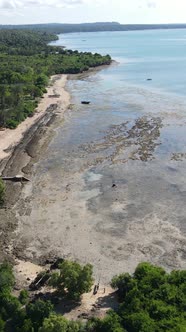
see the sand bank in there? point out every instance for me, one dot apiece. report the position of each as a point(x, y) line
point(56, 94)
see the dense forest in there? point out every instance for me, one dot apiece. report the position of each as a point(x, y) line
point(26, 63)
point(151, 300)
point(91, 27)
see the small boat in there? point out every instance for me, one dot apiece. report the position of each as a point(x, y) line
point(85, 102)
point(17, 178)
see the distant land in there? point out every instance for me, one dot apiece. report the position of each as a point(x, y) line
point(91, 27)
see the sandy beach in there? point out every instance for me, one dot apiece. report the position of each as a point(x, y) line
point(56, 94)
point(15, 153)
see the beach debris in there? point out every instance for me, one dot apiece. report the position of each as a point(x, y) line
point(85, 102)
point(17, 178)
point(54, 96)
point(40, 280)
point(114, 185)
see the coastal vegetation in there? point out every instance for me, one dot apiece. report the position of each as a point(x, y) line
point(80, 280)
point(58, 28)
point(26, 64)
point(151, 300)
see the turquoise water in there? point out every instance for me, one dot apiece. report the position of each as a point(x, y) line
point(121, 92)
point(160, 55)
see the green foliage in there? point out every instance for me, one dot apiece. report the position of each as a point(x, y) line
point(152, 300)
point(139, 322)
point(25, 326)
point(111, 323)
point(2, 191)
point(23, 296)
point(6, 278)
point(123, 282)
point(38, 311)
point(9, 306)
point(2, 325)
point(26, 63)
point(57, 323)
point(73, 279)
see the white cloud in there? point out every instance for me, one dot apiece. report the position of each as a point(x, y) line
point(16, 4)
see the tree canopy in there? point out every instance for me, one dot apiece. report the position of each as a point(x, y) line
point(151, 300)
point(73, 279)
point(26, 63)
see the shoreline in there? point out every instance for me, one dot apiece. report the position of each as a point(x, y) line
point(56, 98)
point(60, 100)
point(20, 149)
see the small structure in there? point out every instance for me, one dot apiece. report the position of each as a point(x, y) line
point(17, 178)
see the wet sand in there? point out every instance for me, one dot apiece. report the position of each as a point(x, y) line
point(19, 150)
point(9, 138)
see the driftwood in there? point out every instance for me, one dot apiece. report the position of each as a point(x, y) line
point(39, 281)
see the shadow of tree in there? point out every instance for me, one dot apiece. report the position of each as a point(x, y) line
point(61, 303)
point(109, 301)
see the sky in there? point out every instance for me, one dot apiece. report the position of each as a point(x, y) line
point(78, 11)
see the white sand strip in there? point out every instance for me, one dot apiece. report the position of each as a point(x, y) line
point(9, 138)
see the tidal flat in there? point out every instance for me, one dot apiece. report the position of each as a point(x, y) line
point(108, 182)
point(106, 190)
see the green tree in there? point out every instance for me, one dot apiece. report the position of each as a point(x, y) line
point(123, 283)
point(139, 322)
point(73, 279)
point(38, 311)
point(25, 326)
point(111, 323)
point(9, 306)
point(57, 323)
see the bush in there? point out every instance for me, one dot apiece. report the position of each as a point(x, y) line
point(23, 296)
point(11, 123)
point(57, 323)
point(6, 278)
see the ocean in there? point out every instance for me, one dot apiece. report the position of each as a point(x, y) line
point(114, 173)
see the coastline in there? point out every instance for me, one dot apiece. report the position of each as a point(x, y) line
point(22, 147)
point(56, 98)
point(60, 100)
